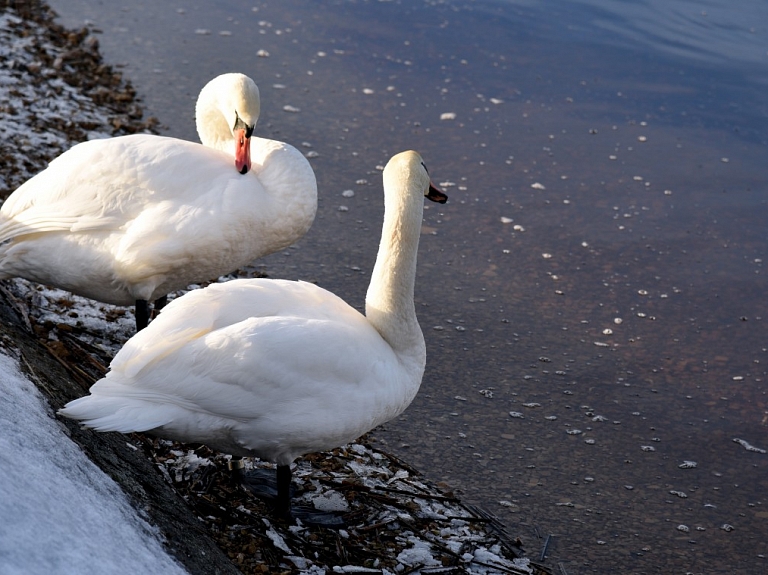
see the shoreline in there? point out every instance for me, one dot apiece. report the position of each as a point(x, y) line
point(424, 527)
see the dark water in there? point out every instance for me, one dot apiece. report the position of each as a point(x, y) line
point(599, 269)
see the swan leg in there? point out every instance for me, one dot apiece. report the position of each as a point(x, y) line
point(283, 503)
point(161, 302)
point(277, 489)
point(306, 515)
point(142, 314)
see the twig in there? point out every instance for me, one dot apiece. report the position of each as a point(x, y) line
point(546, 546)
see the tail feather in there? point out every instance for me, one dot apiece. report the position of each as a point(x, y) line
point(116, 414)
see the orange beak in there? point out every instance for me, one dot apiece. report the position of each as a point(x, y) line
point(242, 152)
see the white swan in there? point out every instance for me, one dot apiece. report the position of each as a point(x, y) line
point(131, 218)
point(276, 368)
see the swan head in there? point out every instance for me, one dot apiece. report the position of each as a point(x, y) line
point(227, 111)
point(409, 167)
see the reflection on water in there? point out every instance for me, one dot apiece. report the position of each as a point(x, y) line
point(712, 32)
point(593, 295)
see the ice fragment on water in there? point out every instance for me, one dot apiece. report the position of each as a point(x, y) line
point(747, 446)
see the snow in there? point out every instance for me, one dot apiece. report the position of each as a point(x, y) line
point(61, 513)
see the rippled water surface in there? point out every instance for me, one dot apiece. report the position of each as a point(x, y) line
point(593, 295)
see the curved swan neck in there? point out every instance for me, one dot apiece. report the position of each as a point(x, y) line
point(389, 304)
point(221, 102)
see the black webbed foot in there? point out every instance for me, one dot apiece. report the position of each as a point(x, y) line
point(275, 488)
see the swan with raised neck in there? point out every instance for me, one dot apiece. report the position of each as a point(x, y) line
point(276, 368)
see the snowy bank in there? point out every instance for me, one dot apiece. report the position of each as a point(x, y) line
point(61, 513)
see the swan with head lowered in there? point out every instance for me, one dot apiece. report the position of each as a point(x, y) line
point(276, 368)
point(129, 219)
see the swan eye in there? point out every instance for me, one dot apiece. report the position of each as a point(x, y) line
point(240, 125)
point(425, 167)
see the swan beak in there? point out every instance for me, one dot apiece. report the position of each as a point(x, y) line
point(242, 151)
point(436, 194)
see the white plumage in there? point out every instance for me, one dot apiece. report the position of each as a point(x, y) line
point(132, 218)
point(277, 368)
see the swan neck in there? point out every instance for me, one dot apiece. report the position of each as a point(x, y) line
point(212, 127)
point(389, 304)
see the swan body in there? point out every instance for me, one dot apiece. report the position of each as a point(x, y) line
point(254, 367)
point(276, 368)
point(132, 218)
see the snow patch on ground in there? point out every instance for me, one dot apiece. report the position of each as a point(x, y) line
point(60, 513)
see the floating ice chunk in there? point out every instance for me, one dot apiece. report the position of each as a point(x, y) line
point(747, 446)
point(448, 116)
